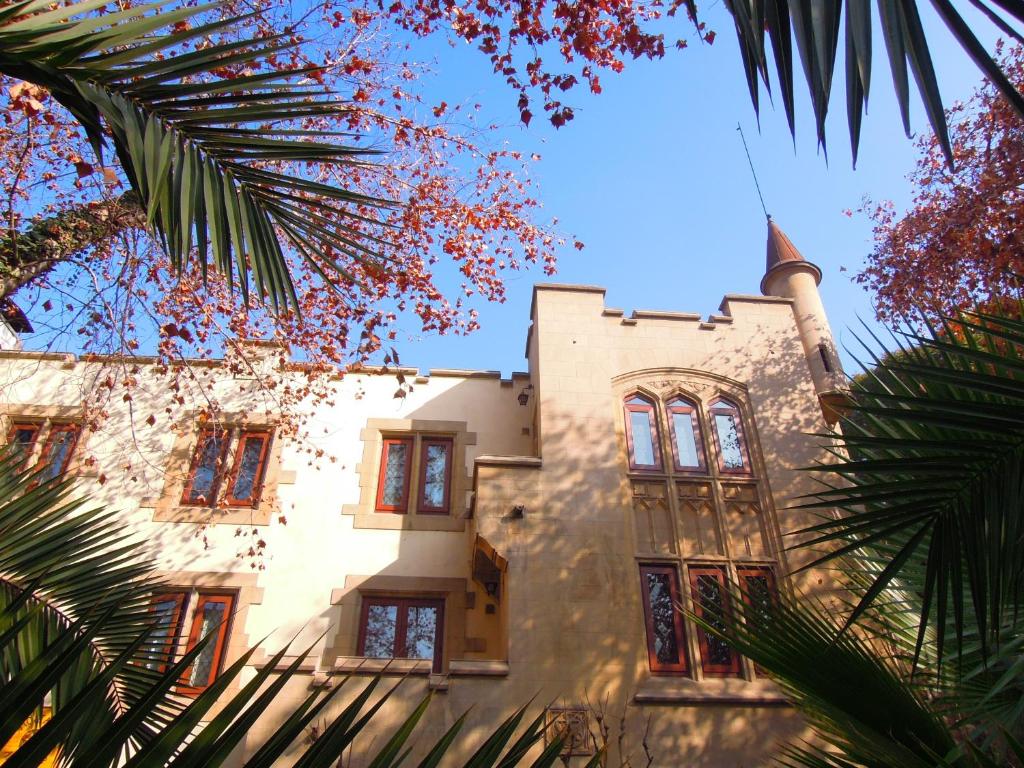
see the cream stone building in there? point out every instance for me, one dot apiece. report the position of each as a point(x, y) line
point(496, 539)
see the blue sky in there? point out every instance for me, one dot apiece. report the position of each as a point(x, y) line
point(651, 175)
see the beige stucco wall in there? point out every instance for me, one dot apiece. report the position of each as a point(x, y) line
point(569, 623)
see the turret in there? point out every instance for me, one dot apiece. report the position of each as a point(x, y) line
point(789, 275)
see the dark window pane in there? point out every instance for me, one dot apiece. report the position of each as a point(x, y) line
point(394, 474)
point(379, 636)
point(711, 597)
point(659, 600)
point(250, 467)
point(204, 474)
point(686, 439)
point(435, 474)
point(212, 617)
point(643, 438)
point(729, 440)
point(23, 438)
point(420, 631)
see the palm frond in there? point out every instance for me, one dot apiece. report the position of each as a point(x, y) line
point(200, 150)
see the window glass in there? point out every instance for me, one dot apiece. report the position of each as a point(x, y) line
point(711, 604)
point(211, 616)
point(166, 610)
point(379, 632)
point(203, 486)
point(23, 439)
point(394, 481)
point(686, 439)
point(643, 438)
point(249, 467)
point(60, 444)
point(421, 629)
point(665, 641)
point(436, 457)
point(732, 452)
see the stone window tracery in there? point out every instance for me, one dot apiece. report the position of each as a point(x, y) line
point(699, 520)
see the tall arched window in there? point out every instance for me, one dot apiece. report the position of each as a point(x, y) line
point(684, 426)
point(642, 434)
point(733, 456)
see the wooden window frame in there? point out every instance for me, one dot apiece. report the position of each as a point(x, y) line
point(422, 507)
point(403, 506)
point(219, 643)
point(401, 623)
point(682, 667)
point(186, 492)
point(734, 667)
point(652, 413)
point(680, 405)
point(261, 471)
point(36, 427)
point(49, 442)
point(170, 644)
point(723, 407)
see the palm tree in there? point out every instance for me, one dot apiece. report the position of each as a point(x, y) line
point(919, 659)
point(198, 148)
point(816, 27)
point(75, 635)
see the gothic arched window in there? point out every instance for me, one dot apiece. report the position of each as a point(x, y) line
point(684, 426)
point(727, 425)
point(642, 434)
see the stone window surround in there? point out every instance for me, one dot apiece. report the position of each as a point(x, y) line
point(47, 416)
point(341, 654)
point(368, 470)
point(169, 508)
point(702, 389)
point(247, 594)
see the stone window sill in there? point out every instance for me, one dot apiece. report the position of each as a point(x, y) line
point(477, 668)
point(390, 521)
point(711, 692)
point(387, 666)
point(228, 515)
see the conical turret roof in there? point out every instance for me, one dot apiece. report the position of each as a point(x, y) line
point(781, 252)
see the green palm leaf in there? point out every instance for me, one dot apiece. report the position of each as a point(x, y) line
point(195, 146)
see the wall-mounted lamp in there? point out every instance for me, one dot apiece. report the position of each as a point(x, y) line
point(518, 512)
point(524, 396)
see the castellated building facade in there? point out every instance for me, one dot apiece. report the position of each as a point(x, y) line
point(495, 540)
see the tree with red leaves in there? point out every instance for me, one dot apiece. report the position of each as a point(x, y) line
point(960, 244)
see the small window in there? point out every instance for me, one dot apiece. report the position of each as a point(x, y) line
point(642, 434)
point(728, 428)
point(210, 615)
point(402, 628)
point(435, 475)
point(246, 478)
point(711, 604)
point(759, 593)
point(204, 474)
point(168, 611)
point(58, 449)
point(393, 483)
point(23, 436)
point(207, 477)
point(666, 642)
point(684, 425)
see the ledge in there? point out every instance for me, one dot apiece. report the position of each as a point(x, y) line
point(714, 692)
point(529, 462)
point(15, 354)
point(392, 521)
point(210, 515)
point(655, 314)
point(477, 668)
point(463, 373)
point(381, 666)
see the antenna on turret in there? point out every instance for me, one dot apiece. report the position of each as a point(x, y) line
point(753, 172)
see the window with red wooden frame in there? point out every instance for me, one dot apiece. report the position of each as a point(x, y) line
point(22, 436)
point(710, 593)
point(168, 609)
point(666, 638)
point(204, 474)
point(245, 481)
point(757, 583)
point(211, 616)
point(435, 476)
point(727, 426)
point(684, 428)
point(402, 628)
point(393, 480)
point(58, 449)
point(642, 434)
